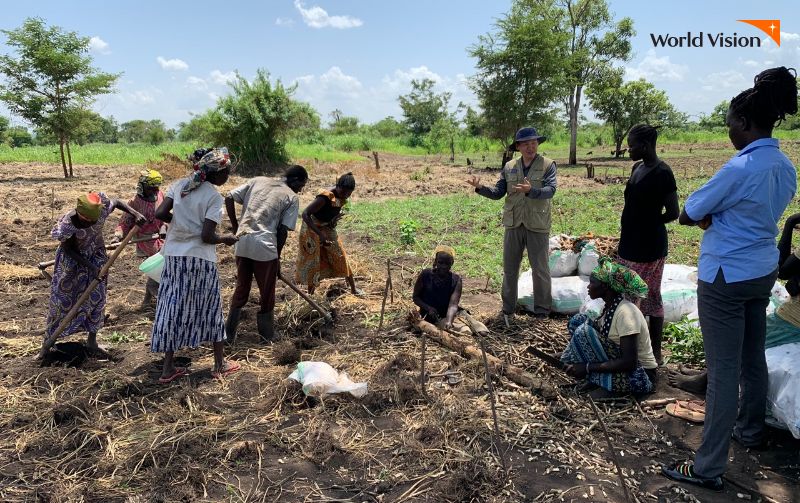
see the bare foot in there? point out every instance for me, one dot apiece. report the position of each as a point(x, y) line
point(689, 372)
point(692, 383)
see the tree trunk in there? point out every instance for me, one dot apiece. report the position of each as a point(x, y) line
point(619, 147)
point(452, 150)
point(69, 159)
point(574, 105)
point(63, 160)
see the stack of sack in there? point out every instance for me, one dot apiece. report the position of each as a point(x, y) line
point(570, 272)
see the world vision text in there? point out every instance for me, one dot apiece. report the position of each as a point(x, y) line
point(704, 39)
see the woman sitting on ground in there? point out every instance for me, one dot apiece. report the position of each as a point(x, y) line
point(437, 293)
point(79, 258)
point(320, 254)
point(614, 352)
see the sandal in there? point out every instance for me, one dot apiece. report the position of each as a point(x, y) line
point(690, 410)
point(230, 369)
point(684, 472)
point(179, 372)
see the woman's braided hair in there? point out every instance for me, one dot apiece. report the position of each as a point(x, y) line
point(772, 97)
point(645, 132)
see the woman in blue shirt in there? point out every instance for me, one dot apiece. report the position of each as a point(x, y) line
point(739, 208)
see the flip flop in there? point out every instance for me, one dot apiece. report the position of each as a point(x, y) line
point(232, 367)
point(179, 372)
point(686, 413)
point(693, 405)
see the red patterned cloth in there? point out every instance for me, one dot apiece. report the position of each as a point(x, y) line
point(153, 225)
point(651, 273)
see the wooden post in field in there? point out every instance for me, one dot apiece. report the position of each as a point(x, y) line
point(377, 163)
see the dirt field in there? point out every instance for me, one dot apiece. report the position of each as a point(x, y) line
point(84, 429)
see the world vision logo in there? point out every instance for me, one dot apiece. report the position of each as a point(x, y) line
point(771, 27)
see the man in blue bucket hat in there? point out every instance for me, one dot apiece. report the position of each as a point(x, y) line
point(528, 183)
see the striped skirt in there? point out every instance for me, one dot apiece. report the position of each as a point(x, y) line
point(189, 309)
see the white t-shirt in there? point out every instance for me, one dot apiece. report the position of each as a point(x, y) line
point(188, 214)
point(267, 204)
point(628, 320)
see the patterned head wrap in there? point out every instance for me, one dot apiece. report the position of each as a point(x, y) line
point(446, 250)
point(217, 159)
point(89, 206)
point(619, 278)
point(148, 178)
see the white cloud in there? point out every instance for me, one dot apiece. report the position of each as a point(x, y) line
point(654, 69)
point(317, 17)
point(172, 64)
point(284, 21)
point(334, 84)
point(137, 98)
point(196, 83)
point(730, 80)
point(751, 62)
point(99, 46)
point(222, 78)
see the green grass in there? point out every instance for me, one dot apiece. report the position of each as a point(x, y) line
point(471, 224)
point(96, 153)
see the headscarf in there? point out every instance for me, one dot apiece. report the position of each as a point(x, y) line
point(445, 249)
point(148, 178)
point(216, 159)
point(619, 278)
point(89, 206)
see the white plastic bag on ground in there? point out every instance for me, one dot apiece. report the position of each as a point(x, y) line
point(563, 263)
point(588, 259)
point(679, 272)
point(320, 379)
point(569, 293)
point(778, 296)
point(592, 308)
point(554, 243)
point(679, 291)
point(783, 397)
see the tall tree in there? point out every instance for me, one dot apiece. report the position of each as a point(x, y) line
point(520, 69)
point(595, 42)
point(50, 79)
point(422, 107)
point(623, 106)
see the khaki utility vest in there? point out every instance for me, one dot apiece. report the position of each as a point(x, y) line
point(519, 209)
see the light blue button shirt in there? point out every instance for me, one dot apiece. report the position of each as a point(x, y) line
point(745, 199)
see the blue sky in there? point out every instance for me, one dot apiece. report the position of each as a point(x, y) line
point(359, 55)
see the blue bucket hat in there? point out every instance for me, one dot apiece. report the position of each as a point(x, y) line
point(525, 134)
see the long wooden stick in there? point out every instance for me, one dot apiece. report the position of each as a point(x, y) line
point(490, 391)
point(496, 366)
point(610, 448)
point(386, 288)
point(48, 342)
point(112, 246)
point(325, 314)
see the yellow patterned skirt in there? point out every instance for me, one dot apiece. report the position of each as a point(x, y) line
point(315, 262)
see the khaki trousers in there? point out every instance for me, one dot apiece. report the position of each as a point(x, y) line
point(515, 241)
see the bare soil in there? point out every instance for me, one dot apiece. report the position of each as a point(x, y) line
point(102, 429)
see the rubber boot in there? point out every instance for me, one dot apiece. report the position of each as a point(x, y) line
point(231, 324)
point(266, 326)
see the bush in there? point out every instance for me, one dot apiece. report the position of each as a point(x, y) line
point(685, 342)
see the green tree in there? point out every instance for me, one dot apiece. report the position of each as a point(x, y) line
point(422, 107)
point(4, 122)
point(625, 105)
point(520, 72)
point(255, 120)
point(388, 127)
point(50, 79)
point(201, 128)
point(717, 117)
point(341, 124)
point(595, 43)
point(445, 131)
point(18, 136)
point(106, 131)
point(153, 132)
point(473, 122)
